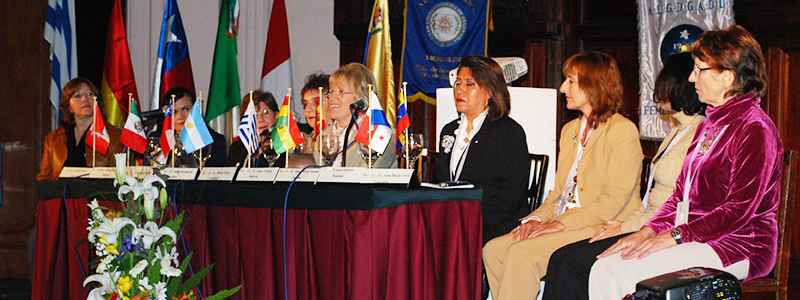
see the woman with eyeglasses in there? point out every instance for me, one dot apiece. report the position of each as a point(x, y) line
point(66, 146)
point(348, 83)
point(266, 114)
point(722, 212)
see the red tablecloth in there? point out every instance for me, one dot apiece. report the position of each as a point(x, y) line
point(428, 250)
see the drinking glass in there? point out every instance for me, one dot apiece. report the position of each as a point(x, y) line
point(365, 154)
point(416, 142)
point(152, 151)
point(269, 153)
point(330, 147)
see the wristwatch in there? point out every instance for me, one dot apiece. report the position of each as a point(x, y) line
point(676, 234)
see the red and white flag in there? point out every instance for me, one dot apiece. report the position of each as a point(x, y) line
point(276, 76)
point(167, 132)
point(97, 137)
point(133, 132)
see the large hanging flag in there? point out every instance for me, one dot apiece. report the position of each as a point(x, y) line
point(59, 31)
point(374, 129)
point(403, 122)
point(378, 58)
point(195, 134)
point(118, 80)
point(248, 129)
point(438, 34)
point(167, 133)
point(286, 134)
point(277, 72)
point(97, 136)
point(173, 67)
point(133, 133)
point(224, 93)
point(664, 31)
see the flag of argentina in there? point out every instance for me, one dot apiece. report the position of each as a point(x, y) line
point(195, 133)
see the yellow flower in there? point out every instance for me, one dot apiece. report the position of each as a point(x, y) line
point(125, 284)
point(112, 249)
point(102, 239)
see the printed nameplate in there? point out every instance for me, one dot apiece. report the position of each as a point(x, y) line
point(341, 175)
point(102, 173)
point(69, 172)
point(138, 171)
point(257, 174)
point(180, 173)
point(288, 174)
point(217, 174)
point(392, 176)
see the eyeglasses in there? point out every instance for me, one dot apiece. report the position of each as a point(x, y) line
point(78, 96)
point(697, 70)
point(264, 112)
point(337, 92)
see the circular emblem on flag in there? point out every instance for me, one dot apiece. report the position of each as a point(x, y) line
point(679, 39)
point(446, 24)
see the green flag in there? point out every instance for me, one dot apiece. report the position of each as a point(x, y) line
point(224, 92)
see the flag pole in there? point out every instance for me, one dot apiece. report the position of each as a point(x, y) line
point(257, 134)
point(94, 136)
point(288, 117)
point(369, 129)
point(174, 140)
point(128, 149)
point(318, 126)
point(200, 102)
point(405, 132)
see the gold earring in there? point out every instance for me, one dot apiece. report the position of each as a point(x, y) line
point(487, 102)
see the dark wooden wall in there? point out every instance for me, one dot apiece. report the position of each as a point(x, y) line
point(544, 32)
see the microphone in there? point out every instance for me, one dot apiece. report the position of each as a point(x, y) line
point(150, 114)
point(360, 105)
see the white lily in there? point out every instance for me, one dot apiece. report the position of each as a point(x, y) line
point(97, 213)
point(106, 285)
point(151, 233)
point(120, 160)
point(110, 228)
point(138, 268)
point(138, 188)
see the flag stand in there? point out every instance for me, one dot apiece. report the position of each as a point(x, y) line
point(369, 129)
point(200, 156)
point(288, 112)
point(318, 126)
point(94, 136)
point(405, 132)
point(128, 149)
point(175, 141)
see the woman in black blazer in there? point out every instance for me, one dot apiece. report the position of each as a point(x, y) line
point(485, 146)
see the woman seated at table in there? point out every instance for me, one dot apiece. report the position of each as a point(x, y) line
point(214, 154)
point(485, 146)
point(722, 212)
point(674, 95)
point(66, 146)
point(597, 180)
point(311, 97)
point(266, 114)
point(348, 83)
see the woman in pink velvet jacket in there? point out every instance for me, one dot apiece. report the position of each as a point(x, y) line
point(722, 212)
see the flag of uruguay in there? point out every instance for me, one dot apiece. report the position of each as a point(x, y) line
point(195, 134)
point(59, 31)
point(248, 129)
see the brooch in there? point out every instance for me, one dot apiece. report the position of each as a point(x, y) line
point(447, 143)
point(574, 137)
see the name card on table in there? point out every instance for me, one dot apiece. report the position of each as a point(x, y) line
point(391, 176)
point(102, 173)
point(69, 172)
point(180, 173)
point(341, 175)
point(217, 174)
point(257, 174)
point(138, 171)
point(288, 174)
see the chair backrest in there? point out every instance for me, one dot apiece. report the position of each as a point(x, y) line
point(539, 163)
point(429, 165)
point(785, 212)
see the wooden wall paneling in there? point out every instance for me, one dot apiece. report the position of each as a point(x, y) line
point(24, 121)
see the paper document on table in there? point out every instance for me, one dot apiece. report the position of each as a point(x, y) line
point(439, 186)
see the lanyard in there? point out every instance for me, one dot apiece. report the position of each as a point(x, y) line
point(675, 138)
point(693, 174)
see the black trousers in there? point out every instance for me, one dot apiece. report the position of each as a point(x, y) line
point(568, 271)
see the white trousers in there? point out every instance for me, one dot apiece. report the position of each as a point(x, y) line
point(613, 277)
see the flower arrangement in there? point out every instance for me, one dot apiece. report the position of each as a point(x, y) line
point(135, 246)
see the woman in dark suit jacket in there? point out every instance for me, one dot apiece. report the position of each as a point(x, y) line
point(485, 146)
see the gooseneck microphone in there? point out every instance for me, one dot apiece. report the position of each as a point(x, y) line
point(361, 104)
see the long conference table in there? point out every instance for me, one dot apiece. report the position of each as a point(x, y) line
point(343, 241)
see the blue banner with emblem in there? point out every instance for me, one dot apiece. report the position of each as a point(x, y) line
point(437, 35)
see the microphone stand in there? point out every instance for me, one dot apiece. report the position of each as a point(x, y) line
point(347, 134)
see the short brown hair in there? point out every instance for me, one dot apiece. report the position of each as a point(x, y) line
point(598, 77)
point(488, 74)
point(68, 90)
point(259, 96)
point(358, 77)
point(734, 49)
